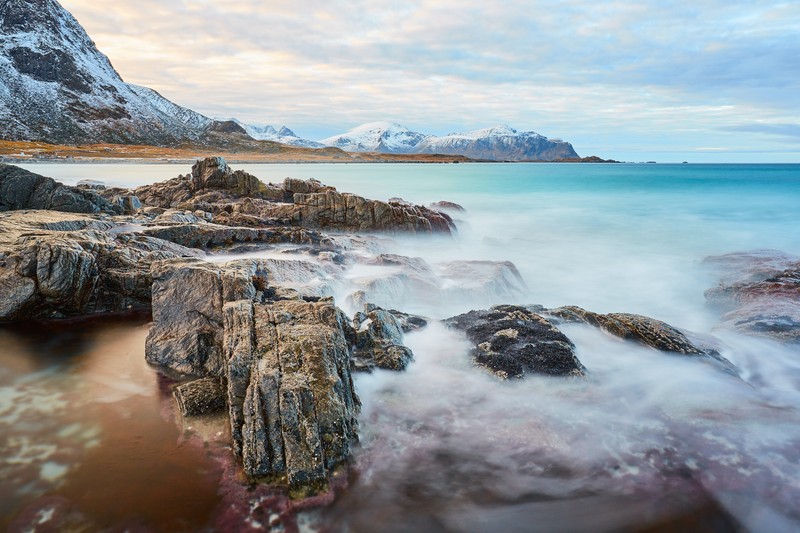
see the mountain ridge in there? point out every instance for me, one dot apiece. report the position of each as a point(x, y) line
point(495, 143)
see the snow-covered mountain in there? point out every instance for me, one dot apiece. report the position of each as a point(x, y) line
point(498, 143)
point(56, 86)
point(281, 135)
point(384, 137)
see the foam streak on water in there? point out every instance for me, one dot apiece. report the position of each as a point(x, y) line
point(647, 438)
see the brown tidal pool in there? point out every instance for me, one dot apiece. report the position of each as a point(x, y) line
point(89, 439)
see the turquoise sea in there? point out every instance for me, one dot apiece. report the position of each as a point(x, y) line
point(647, 441)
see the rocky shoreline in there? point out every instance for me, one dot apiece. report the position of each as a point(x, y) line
point(263, 339)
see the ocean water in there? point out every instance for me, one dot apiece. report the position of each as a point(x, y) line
point(648, 440)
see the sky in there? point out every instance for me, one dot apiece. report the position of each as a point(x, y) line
point(699, 80)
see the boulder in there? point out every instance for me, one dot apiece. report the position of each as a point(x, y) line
point(379, 341)
point(202, 396)
point(645, 331)
point(291, 401)
point(512, 341)
point(21, 189)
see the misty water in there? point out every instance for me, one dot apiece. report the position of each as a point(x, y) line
point(647, 440)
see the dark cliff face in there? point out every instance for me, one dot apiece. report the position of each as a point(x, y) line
point(56, 86)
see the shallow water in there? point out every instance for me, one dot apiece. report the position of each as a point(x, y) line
point(649, 440)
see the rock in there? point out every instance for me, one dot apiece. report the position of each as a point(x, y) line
point(129, 203)
point(94, 185)
point(298, 414)
point(407, 322)
point(21, 189)
point(758, 294)
point(57, 265)
point(201, 396)
point(348, 212)
point(645, 331)
point(512, 341)
point(199, 234)
point(294, 185)
point(379, 341)
point(239, 199)
point(292, 405)
point(186, 335)
point(447, 207)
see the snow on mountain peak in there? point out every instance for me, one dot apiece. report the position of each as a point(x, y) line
point(386, 137)
point(56, 86)
point(281, 135)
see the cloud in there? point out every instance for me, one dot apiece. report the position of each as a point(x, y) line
point(599, 73)
point(790, 132)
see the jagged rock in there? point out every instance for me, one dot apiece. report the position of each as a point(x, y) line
point(58, 264)
point(240, 199)
point(758, 294)
point(294, 185)
point(21, 189)
point(291, 400)
point(645, 331)
point(293, 406)
point(379, 341)
point(512, 341)
point(330, 209)
point(201, 396)
point(407, 322)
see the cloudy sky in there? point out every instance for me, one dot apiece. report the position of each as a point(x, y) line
point(698, 80)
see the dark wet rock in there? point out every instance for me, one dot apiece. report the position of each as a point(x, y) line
point(512, 341)
point(407, 322)
point(379, 341)
point(292, 405)
point(645, 331)
point(21, 189)
point(758, 293)
point(201, 396)
point(58, 265)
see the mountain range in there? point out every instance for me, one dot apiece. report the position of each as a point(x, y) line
point(496, 143)
point(57, 87)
